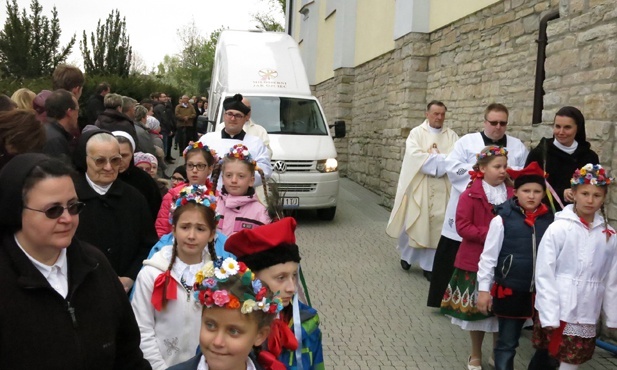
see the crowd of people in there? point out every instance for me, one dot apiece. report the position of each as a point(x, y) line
point(111, 265)
point(520, 239)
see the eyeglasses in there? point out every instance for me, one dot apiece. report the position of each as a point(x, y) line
point(57, 211)
point(199, 167)
point(495, 123)
point(100, 162)
point(177, 179)
point(236, 116)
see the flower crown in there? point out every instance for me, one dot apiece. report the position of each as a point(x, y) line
point(593, 174)
point(199, 145)
point(200, 194)
point(492, 150)
point(242, 153)
point(214, 280)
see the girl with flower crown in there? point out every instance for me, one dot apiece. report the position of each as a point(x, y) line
point(475, 210)
point(166, 311)
point(235, 319)
point(199, 163)
point(576, 274)
point(237, 203)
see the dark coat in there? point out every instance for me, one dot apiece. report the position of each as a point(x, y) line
point(37, 330)
point(160, 113)
point(112, 120)
point(119, 223)
point(58, 141)
point(146, 185)
point(560, 165)
point(194, 362)
point(94, 107)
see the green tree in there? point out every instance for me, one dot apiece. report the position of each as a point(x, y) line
point(30, 43)
point(268, 21)
point(191, 69)
point(111, 50)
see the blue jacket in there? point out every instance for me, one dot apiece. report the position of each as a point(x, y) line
point(312, 353)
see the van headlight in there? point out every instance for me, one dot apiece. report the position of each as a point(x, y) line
point(327, 165)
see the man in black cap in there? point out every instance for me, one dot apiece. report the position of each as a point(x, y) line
point(236, 115)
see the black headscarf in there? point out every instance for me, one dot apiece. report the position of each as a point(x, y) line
point(79, 155)
point(12, 179)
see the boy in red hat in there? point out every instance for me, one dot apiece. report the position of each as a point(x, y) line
point(506, 268)
point(272, 253)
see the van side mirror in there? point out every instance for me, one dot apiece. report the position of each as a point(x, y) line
point(339, 129)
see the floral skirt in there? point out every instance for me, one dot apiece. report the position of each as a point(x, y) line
point(460, 299)
point(572, 350)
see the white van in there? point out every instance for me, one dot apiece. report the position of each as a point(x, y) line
point(266, 68)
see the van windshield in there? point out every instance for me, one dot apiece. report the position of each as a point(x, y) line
point(290, 116)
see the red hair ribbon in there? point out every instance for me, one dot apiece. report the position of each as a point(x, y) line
point(281, 337)
point(159, 287)
point(609, 232)
point(500, 292)
point(476, 175)
point(556, 339)
point(269, 362)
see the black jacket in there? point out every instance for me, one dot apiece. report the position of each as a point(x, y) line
point(146, 185)
point(112, 120)
point(94, 107)
point(160, 113)
point(560, 165)
point(92, 329)
point(119, 223)
point(58, 141)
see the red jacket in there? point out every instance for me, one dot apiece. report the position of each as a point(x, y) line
point(473, 216)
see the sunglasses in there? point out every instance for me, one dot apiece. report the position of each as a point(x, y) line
point(100, 162)
point(57, 211)
point(495, 123)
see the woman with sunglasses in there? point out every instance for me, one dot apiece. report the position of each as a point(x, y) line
point(56, 287)
point(562, 154)
point(116, 219)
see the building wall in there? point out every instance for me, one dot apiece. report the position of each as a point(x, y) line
point(444, 12)
point(488, 56)
point(374, 29)
point(325, 44)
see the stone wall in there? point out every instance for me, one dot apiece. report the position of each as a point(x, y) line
point(489, 56)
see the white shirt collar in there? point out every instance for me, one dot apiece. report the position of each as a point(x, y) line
point(56, 275)
point(496, 195)
point(101, 190)
point(432, 129)
point(204, 366)
point(568, 149)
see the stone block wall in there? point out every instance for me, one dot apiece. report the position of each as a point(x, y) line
point(488, 56)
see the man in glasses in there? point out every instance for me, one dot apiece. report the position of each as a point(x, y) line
point(235, 116)
point(422, 192)
point(458, 164)
point(116, 219)
point(62, 114)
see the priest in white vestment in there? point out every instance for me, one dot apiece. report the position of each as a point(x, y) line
point(423, 190)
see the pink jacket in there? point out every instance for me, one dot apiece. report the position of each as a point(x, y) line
point(163, 219)
point(240, 212)
point(473, 216)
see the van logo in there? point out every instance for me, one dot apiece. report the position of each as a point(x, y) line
point(280, 166)
point(268, 74)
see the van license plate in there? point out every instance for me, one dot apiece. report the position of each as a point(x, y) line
point(291, 202)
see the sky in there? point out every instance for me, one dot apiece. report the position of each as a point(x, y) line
point(151, 25)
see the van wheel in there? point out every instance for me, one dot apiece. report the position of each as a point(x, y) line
point(326, 214)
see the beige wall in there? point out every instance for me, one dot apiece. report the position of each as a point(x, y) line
point(444, 12)
point(374, 29)
point(325, 44)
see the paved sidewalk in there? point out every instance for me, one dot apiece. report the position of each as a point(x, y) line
point(374, 314)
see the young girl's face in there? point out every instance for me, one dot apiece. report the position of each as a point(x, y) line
point(197, 176)
point(281, 278)
point(153, 170)
point(237, 177)
point(588, 199)
point(495, 170)
point(146, 167)
point(228, 336)
point(192, 234)
point(529, 195)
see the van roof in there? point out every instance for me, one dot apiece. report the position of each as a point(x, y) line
point(260, 62)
